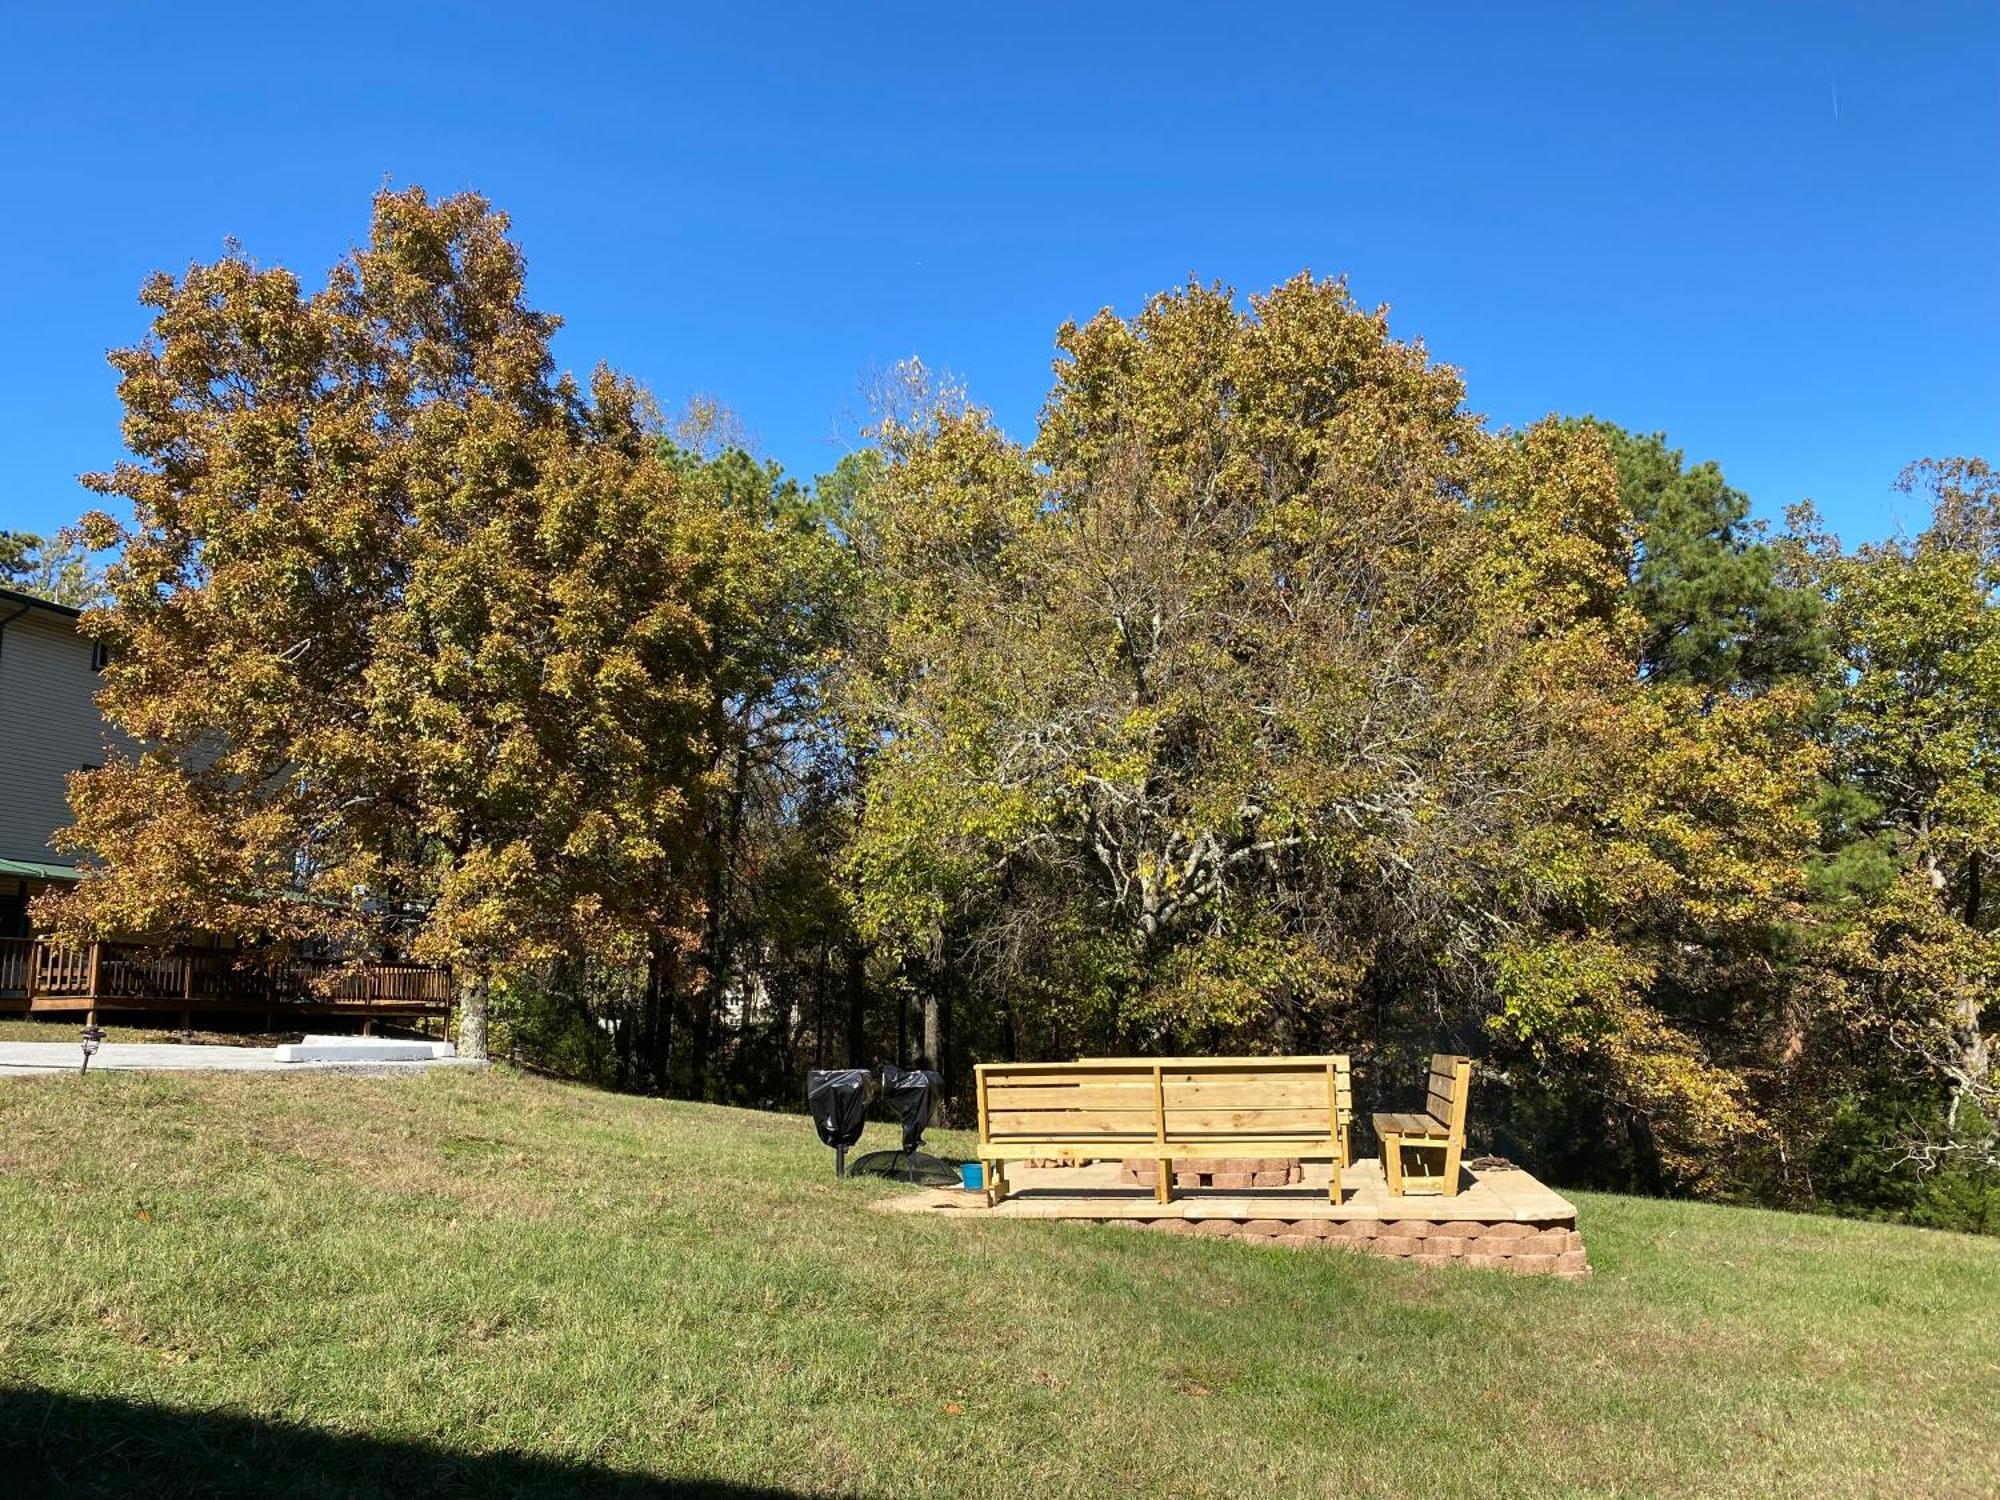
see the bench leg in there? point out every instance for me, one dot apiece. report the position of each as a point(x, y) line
point(1163, 1187)
point(1400, 1182)
point(1333, 1185)
point(996, 1182)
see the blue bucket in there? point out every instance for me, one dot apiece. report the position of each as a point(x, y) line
point(973, 1175)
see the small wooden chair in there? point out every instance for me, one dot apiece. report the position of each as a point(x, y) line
point(1440, 1128)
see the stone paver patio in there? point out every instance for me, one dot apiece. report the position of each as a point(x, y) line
point(1502, 1217)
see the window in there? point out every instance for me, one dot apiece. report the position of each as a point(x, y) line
point(100, 656)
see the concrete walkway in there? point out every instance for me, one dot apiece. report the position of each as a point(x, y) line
point(34, 1059)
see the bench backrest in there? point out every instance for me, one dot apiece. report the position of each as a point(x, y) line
point(1126, 1100)
point(1445, 1095)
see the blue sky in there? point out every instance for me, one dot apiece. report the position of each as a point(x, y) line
point(1768, 229)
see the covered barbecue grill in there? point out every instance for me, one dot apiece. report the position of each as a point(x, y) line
point(914, 1096)
point(838, 1099)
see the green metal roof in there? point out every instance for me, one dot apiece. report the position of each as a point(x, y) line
point(28, 869)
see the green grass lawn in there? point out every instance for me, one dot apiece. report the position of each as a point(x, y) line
point(128, 1028)
point(68, 1031)
point(490, 1284)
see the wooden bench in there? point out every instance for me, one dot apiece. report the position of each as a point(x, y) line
point(1441, 1127)
point(1164, 1108)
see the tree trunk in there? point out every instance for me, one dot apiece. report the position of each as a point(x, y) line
point(857, 1006)
point(622, 1040)
point(946, 1062)
point(819, 1008)
point(656, 1028)
point(937, 1014)
point(472, 1016)
point(1974, 1059)
point(1648, 1175)
point(716, 936)
point(693, 1065)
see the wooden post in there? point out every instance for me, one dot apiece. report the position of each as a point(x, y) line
point(979, 1104)
point(1343, 1078)
point(1333, 1131)
point(90, 1019)
point(995, 1182)
point(1163, 1186)
point(1462, 1086)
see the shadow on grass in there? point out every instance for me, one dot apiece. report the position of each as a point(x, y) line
point(63, 1445)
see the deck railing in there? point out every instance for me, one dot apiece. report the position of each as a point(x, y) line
point(15, 956)
point(69, 976)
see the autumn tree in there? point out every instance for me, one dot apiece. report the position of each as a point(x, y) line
point(1267, 698)
point(1910, 815)
point(1270, 699)
point(401, 626)
point(769, 584)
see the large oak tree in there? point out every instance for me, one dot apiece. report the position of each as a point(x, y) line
point(1271, 699)
point(401, 627)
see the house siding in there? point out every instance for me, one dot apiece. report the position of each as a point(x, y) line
point(49, 727)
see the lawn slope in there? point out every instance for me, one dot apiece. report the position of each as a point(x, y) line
point(491, 1284)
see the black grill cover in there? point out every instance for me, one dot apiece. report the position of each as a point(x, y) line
point(838, 1099)
point(914, 1097)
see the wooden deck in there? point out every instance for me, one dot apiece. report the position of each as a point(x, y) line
point(39, 977)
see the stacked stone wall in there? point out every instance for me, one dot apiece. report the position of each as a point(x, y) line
point(1550, 1247)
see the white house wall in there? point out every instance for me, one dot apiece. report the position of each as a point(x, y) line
point(49, 727)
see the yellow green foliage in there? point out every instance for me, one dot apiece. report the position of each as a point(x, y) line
point(1272, 665)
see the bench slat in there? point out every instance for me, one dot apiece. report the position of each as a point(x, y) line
point(1203, 1064)
point(1410, 1124)
point(1071, 1122)
point(1263, 1075)
point(1004, 1122)
point(1310, 1147)
point(1233, 1093)
point(1180, 1121)
point(1138, 1094)
point(1274, 1093)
